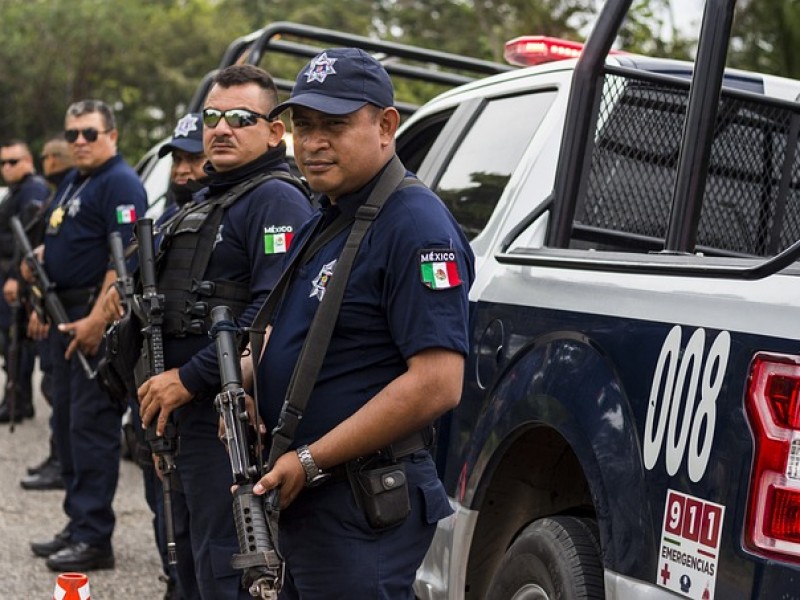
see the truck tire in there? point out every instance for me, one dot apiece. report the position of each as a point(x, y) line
point(555, 558)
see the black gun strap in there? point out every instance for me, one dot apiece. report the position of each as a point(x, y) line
point(257, 329)
point(319, 334)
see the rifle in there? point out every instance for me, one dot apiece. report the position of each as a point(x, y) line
point(256, 519)
point(13, 356)
point(44, 289)
point(149, 307)
point(123, 339)
point(124, 279)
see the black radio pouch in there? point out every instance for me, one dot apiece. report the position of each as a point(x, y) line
point(381, 492)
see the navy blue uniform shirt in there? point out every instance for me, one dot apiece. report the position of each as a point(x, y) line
point(105, 200)
point(24, 199)
point(242, 254)
point(389, 313)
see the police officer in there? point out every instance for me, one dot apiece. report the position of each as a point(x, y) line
point(27, 192)
point(102, 194)
point(395, 360)
point(188, 160)
point(250, 190)
point(56, 163)
point(186, 171)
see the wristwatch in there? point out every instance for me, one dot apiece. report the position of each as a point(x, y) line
point(314, 475)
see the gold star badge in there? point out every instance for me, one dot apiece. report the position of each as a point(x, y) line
point(56, 217)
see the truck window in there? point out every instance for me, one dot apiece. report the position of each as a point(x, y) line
point(488, 154)
point(413, 147)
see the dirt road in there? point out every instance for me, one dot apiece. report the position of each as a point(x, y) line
point(26, 515)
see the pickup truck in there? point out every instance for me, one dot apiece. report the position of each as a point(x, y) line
point(630, 421)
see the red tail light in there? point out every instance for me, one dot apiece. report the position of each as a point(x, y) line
point(773, 407)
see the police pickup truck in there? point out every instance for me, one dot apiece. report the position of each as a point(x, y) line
point(630, 422)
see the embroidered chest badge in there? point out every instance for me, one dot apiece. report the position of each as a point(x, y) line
point(320, 282)
point(277, 238)
point(126, 213)
point(74, 206)
point(320, 68)
point(438, 268)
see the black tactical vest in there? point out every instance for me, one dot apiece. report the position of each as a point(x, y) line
point(184, 255)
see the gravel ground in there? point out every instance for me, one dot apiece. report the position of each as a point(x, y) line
point(27, 515)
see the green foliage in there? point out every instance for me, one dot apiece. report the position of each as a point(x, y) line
point(143, 58)
point(766, 35)
point(649, 29)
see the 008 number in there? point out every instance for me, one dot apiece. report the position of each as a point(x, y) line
point(673, 408)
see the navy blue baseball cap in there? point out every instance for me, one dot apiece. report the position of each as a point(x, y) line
point(340, 81)
point(188, 136)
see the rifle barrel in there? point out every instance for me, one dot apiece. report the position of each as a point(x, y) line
point(52, 302)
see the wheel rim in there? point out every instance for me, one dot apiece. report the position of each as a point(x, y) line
point(530, 591)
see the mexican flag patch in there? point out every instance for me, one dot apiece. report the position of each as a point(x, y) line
point(126, 213)
point(439, 269)
point(277, 239)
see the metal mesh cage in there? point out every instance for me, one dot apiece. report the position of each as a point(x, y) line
point(751, 204)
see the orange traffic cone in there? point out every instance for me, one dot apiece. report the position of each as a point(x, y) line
point(71, 586)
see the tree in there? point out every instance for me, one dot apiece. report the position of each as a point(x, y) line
point(144, 59)
point(649, 29)
point(765, 38)
point(480, 28)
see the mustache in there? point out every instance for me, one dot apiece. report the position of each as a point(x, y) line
point(224, 140)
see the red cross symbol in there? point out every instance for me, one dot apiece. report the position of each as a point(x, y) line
point(665, 574)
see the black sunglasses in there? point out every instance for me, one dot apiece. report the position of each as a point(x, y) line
point(9, 161)
point(234, 117)
point(89, 134)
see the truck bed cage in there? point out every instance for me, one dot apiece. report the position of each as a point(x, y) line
point(750, 205)
point(400, 60)
point(651, 162)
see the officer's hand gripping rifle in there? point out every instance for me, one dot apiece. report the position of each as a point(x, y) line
point(255, 527)
point(149, 307)
point(44, 288)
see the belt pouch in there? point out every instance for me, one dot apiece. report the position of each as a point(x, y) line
point(381, 492)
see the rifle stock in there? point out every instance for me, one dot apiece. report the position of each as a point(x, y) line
point(44, 289)
point(256, 520)
point(149, 308)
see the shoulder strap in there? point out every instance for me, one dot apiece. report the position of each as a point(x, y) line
point(319, 334)
point(310, 245)
point(240, 189)
point(208, 232)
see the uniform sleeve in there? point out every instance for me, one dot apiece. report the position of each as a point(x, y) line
point(27, 201)
point(429, 271)
point(125, 201)
point(271, 219)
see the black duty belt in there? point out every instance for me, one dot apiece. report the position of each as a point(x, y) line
point(416, 442)
point(76, 297)
point(419, 440)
